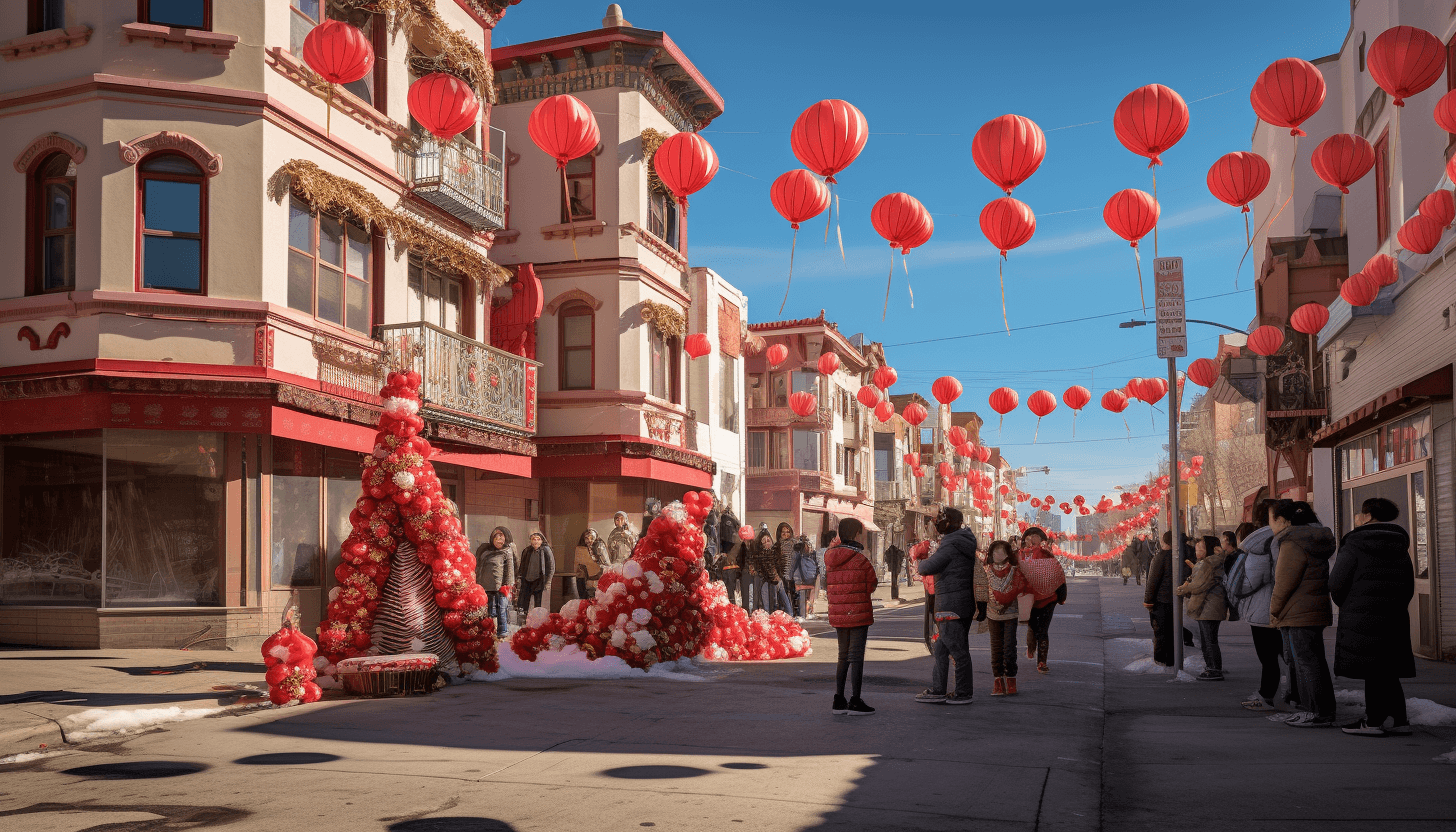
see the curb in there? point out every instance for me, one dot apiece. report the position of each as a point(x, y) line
point(30, 738)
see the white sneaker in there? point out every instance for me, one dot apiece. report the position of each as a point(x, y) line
point(799, 619)
point(1285, 716)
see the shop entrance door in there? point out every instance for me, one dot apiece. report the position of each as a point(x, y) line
point(1409, 487)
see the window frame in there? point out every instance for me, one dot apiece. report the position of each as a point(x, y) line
point(36, 15)
point(576, 309)
point(672, 218)
point(371, 264)
point(1382, 188)
point(35, 222)
point(200, 179)
point(144, 15)
point(729, 408)
point(590, 176)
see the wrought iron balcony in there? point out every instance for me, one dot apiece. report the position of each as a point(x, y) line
point(458, 177)
point(462, 380)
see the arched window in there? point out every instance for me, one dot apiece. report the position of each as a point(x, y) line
point(53, 225)
point(171, 225)
point(576, 324)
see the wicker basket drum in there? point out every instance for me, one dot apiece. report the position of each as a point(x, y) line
point(399, 675)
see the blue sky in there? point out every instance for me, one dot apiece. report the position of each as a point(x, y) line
point(927, 75)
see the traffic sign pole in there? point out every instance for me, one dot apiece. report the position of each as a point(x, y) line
point(1172, 345)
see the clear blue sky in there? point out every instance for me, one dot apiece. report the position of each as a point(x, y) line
point(927, 75)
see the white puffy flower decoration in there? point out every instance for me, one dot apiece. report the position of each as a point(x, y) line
point(631, 569)
point(537, 616)
point(644, 639)
point(619, 639)
point(617, 588)
point(400, 407)
point(641, 615)
point(404, 480)
point(570, 609)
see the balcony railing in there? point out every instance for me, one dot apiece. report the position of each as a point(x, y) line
point(458, 177)
point(463, 380)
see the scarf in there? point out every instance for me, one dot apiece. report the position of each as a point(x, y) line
point(999, 581)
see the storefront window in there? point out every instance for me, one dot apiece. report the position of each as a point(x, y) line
point(1408, 440)
point(50, 521)
point(806, 450)
point(164, 517)
point(297, 472)
point(341, 491)
point(1357, 458)
point(1419, 535)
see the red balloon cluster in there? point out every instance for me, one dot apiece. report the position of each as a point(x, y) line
point(288, 658)
point(403, 501)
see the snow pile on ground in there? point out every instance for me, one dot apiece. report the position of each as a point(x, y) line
point(571, 662)
point(1449, 757)
point(1135, 655)
point(99, 722)
point(1420, 711)
point(24, 757)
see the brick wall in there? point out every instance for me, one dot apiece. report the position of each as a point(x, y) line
point(49, 627)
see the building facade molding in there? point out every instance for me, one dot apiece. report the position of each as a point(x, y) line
point(135, 150)
point(573, 295)
point(44, 145)
point(188, 40)
point(44, 43)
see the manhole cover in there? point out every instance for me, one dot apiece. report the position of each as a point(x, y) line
point(287, 758)
point(744, 766)
point(655, 772)
point(149, 770)
point(459, 824)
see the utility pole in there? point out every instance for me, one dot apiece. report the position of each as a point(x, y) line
point(1172, 344)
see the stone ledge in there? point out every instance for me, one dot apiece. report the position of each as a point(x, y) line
point(43, 43)
point(188, 40)
point(581, 228)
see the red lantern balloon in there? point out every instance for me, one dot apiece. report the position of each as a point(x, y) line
point(946, 469)
point(338, 51)
point(828, 136)
point(956, 436)
point(446, 106)
point(777, 354)
point(1152, 390)
point(1439, 206)
point(884, 410)
point(1008, 150)
point(799, 196)
point(1114, 401)
point(1420, 234)
point(828, 363)
point(1008, 223)
point(1131, 214)
point(564, 128)
point(1150, 120)
point(697, 345)
point(1003, 400)
point(1203, 372)
point(1342, 159)
point(983, 454)
point(685, 163)
point(1076, 397)
point(1237, 178)
point(899, 218)
point(1309, 318)
point(1287, 93)
point(919, 472)
point(1266, 340)
point(885, 377)
point(1359, 290)
point(912, 459)
point(803, 403)
point(946, 390)
point(1383, 269)
point(1042, 403)
point(915, 413)
point(965, 449)
point(1445, 114)
point(1404, 60)
point(868, 396)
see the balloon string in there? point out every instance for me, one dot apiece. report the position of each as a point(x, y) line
point(1248, 244)
point(1074, 423)
point(839, 232)
point(1272, 215)
point(790, 282)
point(1001, 277)
point(906, 263)
point(566, 195)
point(828, 216)
point(1155, 232)
point(1138, 259)
point(1037, 432)
point(1128, 427)
point(889, 278)
point(329, 112)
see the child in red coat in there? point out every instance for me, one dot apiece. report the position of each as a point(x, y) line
point(849, 581)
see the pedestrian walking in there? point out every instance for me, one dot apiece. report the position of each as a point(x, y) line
point(1207, 602)
point(828, 540)
point(1006, 584)
point(1141, 552)
point(804, 572)
point(591, 561)
point(1372, 581)
point(850, 581)
point(538, 567)
point(1146, 552)
point(1048, 585)
point(954, 567)
point(1249, 585)
point(621, 539)
point(895, 560)
point(785, 544)
point(495, 572)
point(1300, 606)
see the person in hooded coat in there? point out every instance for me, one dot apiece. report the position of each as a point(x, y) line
point(495, 571)
point(621, 540)
point(1300, 606)
point(954, 566)
point(538, 567)
point(850, 584)
point(1207, 603)
point(591, 561)
point(732, 558)
point(1373, 581)
point(1249, 585)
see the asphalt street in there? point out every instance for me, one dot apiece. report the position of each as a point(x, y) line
point(753, 746)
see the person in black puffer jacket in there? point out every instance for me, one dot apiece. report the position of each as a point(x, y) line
point(954, 566)
point(1372, 581)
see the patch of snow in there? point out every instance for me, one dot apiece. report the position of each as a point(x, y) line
point(571, 663)
point(1420, 711)
point(24, 757)
point(99, 722)
point(1449, 757)
point(1138, 655)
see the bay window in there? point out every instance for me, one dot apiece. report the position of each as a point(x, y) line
point(330, 267)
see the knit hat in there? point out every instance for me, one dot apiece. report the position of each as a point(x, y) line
point(1031, 530)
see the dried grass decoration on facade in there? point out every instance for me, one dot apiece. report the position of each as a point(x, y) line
point(334, 194)
point(659, 606)
point(456, 53)
point(651, 140)
point(402, 502)
point(668, 321)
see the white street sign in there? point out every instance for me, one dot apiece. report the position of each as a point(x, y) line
point(1168, 293)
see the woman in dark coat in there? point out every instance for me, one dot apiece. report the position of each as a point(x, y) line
point(1373, 581)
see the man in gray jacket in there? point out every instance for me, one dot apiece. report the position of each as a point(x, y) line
point(954, 566)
